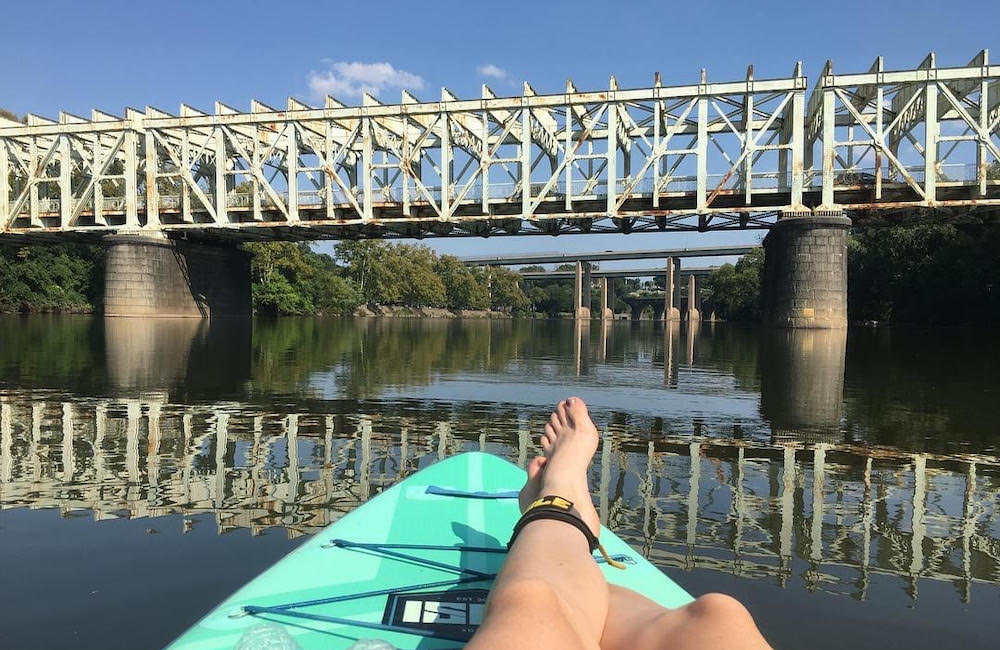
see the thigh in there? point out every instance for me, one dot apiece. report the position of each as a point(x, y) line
point(711, 621)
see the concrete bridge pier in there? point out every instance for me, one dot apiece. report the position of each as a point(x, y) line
point(693, 315)
point(805, 271)
point(671, 308)
point(581, 291)
point(607, 300)
point(149, 275)
point(677, 286)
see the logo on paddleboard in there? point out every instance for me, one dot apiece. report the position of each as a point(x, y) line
point(443, 614)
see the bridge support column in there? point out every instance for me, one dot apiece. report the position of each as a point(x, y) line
point(607, 300)
point(693, 315)
point(805, 272)
point(671, 309)
point(151, 275)
point(581, 291)
point(677, 286)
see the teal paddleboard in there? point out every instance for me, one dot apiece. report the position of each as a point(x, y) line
point(412, 566)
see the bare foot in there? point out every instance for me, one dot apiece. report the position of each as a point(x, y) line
point(570, 440)
point(529, 493)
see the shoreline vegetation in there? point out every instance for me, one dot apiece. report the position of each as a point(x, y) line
point(929, 274)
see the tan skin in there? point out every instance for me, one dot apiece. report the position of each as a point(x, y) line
point(550, 592)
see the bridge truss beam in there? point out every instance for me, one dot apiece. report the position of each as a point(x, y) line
point(705, 156)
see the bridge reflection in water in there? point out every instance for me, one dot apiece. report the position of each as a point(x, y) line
point(824, 516)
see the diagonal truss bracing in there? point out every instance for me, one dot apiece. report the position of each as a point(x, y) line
point(702, 156)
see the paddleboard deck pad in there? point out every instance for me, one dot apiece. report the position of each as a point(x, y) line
point(411, 567)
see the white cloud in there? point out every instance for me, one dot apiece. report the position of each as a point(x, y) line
point(351, 79)
point(490, 70)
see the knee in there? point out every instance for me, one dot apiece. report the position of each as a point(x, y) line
point(719, 606)
point(521, 593)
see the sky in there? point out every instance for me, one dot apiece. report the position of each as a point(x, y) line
point(76, 56)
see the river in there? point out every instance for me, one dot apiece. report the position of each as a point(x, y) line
point(844, 486)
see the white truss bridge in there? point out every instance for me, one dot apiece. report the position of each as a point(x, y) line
point(703, 156)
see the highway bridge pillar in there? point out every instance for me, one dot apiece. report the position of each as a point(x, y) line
point(693, 314)
point(150, 275)
point(677, 287)
point(581, 290)
point(805, 272)
point(671, 309)
point(607, 300)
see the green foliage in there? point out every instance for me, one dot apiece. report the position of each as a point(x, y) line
point(931, 274)
point(419, 285)
point(734, 291)
point(464, 289)
point(368, 265)
point(505, 292)
point(66, 278)
point(291, 279)
point(554, 298)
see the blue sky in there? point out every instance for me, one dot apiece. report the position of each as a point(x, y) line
point(75, 56)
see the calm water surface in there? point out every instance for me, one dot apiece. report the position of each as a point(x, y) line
point(845, 487)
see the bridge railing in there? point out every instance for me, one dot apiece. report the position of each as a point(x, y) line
point(953, 174)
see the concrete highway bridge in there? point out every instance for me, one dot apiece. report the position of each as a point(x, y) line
point(751, 153)
point(667, 306)
point(599, 274)
point(515, 259)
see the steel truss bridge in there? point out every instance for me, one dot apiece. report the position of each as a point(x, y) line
point(701, 156)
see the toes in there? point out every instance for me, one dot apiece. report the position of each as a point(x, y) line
point(560, 413)
point(535, 467)
point(555, 421)
point(576, 409)
point(548, 437)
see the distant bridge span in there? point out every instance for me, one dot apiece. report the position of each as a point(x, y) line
point(704, 271)
point(700, 156)
point(606, 256)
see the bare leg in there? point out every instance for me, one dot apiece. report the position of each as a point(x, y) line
point(550, 592)
point(635, 622)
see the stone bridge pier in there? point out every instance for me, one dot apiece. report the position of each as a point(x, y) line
point(152, 276)
point(805, 272)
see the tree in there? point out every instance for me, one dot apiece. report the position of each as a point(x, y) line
point(369, 264)
point(291, 279)
point(505, 290)
point(927, 273)
point(735, 290)
point(46, 278)
point(464, 289)
point(419, 285)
